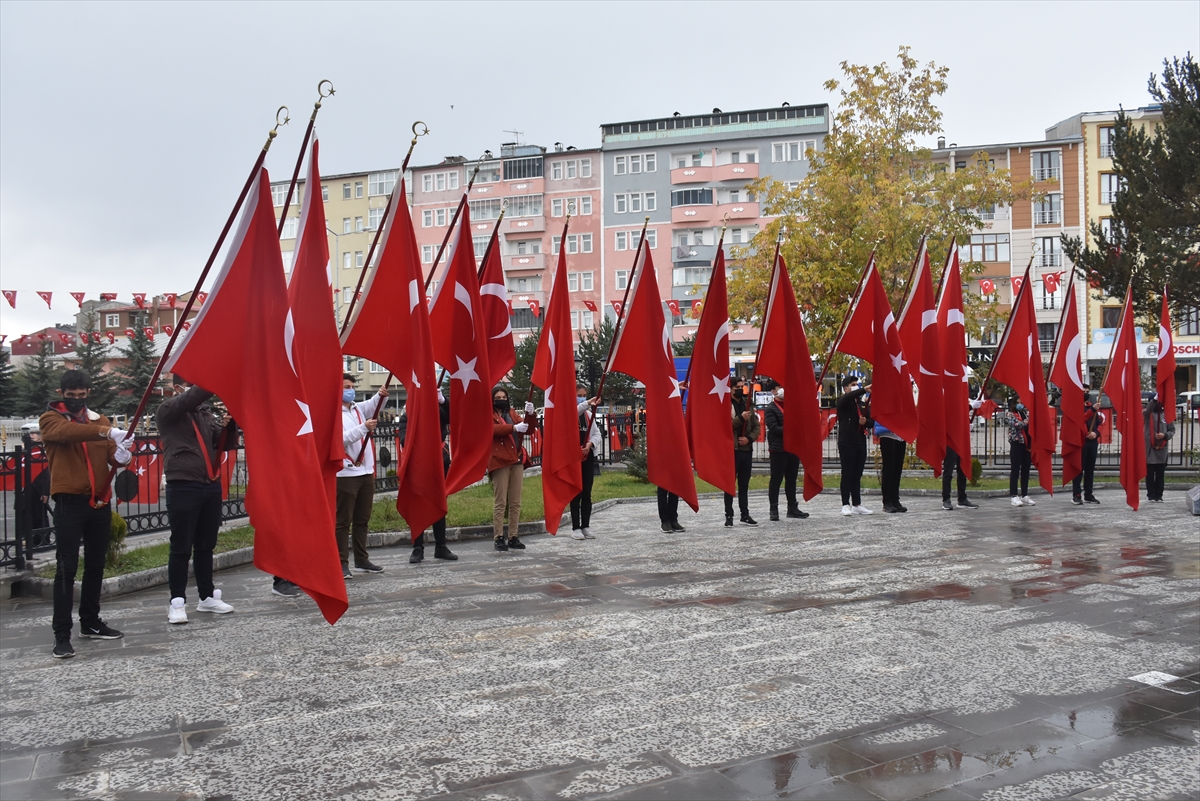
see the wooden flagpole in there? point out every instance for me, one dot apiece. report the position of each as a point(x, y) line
point(562, 244)
point(687, 376)
point(845, 320)
point(312, 120)
point(453, 221)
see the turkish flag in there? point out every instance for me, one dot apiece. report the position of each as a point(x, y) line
point(643, 350)
point(78, 298)
point(1165, 375)
point(1067, 375)
point(697, 309)
point(46, 297)
point(871, 335)
point(673, 305)
point(459, 332)
point(108, 296)
point(200, 298)
point(1052, 281)
point(83, 337)
point(951, 327)
point(919, 335)
point(709, 408)
point(140, 299)
point(95, 336)
point(497, 307)
point(314, 335)
point(554, 371)
point(130, 333)
point(830, 422)
point(258, 382)
point(591, 305)
point(169, 298)
point(185, 325)
point(616, 304)
point(1018, 363)
point(390, 326)
point(11, 296)
point(149, 332)
point(168, 329)
point(112, 338)
point(784, 356)
point(1123, 385)
point(987, 286)
point(143, 465)
point(66, 339)
point(1016, 287)
point(534, 307)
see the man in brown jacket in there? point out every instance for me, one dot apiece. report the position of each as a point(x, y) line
point(81, 445)
point(746, 428)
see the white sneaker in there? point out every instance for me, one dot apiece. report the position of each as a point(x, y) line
point(214, 605)
point(588, 535)
point(847, 511)
point(1016, 501)
point(577, 534)
point(861, 510)
point(175, 612)
point(1028, 501)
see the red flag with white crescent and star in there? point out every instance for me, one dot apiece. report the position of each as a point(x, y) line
point(112, 338)
point(259, 384)
point(78, 298)
point(493, 297)
point(108, 296)
point(46, 297)
point(535, 307)
point(1067, 375)
point(457, 325)
point(1165, 375)
point(169, 298)
point(1123, 386)
point(709, 406)
point(919, 335)
point(673, 305)
point(618, 307)
point(140, 299)
point(143, 466)
point(11, 296)
point(951, 328)
point(591, 305)
point(643, 350)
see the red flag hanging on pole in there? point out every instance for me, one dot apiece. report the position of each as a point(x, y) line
point(951, 328)
point(784, 356)
point(11, 296)
point(78, 298)
point(390, 326)
point(554, 371)
point(1165, 374)
point(643, 350)
point(1067, 375)
point(534, 307)
point(871, 335)
point(108, 296)
point(919, 335)
point(493, 297)
point(169, 298)
point(46, 297)
point(140, 299)
point(1123, 386)
point(314, 335)
point(709, 408)
point(1018, 363)
point(616, 304)
point(258, 383)
point(147, 477)
point(456, 321)
point(591, 305)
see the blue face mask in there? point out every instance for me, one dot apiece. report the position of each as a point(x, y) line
point(1020, 407)
point(347, 396)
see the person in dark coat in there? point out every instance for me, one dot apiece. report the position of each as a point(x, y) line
point(1158, 433)
point(785, 466)
point(746, 429)
point(440, 549)
point(854, 420)
point(1081, 485)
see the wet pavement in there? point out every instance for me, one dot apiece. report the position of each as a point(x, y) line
point(1000, 654)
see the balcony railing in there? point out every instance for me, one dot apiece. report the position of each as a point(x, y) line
point(704, 253)
point(1047, 217)
point(742, 171)
point(1108, 197)
point(1046, 345)
point(1106, 150)
point(527, 261)
point(691, 175)
point(1046, 174)
point(1049, 259)
point(1049, 302)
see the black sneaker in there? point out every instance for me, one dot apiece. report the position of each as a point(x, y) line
point(500, 544)
point(901, 508)
point(949, 507)
point(63, 649)
point(965, 503)
point(797, 514)
point(747, 520)
point(774, 516)
point(728, 521)
point(1090, 499)
point(368, 567)
point(418, 555)
point(99, 631)
point(442, 552)
point(285, 588)
point(516, 544)
point(887, 507)
point(676, 527)
point(346, 574)
point(666, 528)
point(1076, 500)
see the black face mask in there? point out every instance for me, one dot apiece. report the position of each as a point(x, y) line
point(75, 405)
point(500, 404)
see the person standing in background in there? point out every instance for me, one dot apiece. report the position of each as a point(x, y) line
point(746, 428)
point(892, 451)
point(1158, 433)
point(853, 420)
point(1093, 418)
point(356, 479)
point(589, 444)
point(785, 466)
point(1020, 458)
point(506, 469)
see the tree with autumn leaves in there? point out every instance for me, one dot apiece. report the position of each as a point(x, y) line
point(872, 187)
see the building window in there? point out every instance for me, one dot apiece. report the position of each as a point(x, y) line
point(621, 279)
point(479, 245)
point(358, 258)
point(358, 188)
point(345, 191)
point(988, 247)
point(346, 225)
point(290, 226)
point(691, 197)
point(687, 276)
point(1048, 211)
point(278, 194)
point(579, 243)
point(528, 247)
point(325, 193)
point(485, 209)
point(374, 218)
point(1110, 185)
point(439, 181)
point(440, 217)
point(1046, 165)
point(585, 168)
point(522, 317)
point(1106, 142)
point(572, 169)
point(347, 296)
point(346, 261)
point(638, 162)
point(521, 169)
point(651, 238)
point(556, 206)
point(1050, 300)
point(621, 241)
point(358, 224)
point(792, 151)
point(572, 280)
point(619, 165)
point(633, 201)
point(620, 204)
point(381, 183)
point(427, 254)
point(556, 171)
point(1110, 316)
point(582, 319)
point(1049, 252)
point(112, 321)
point(525, 205)
point(585, 205)
point(555, 245)
point(427, 218)
point(736, 236)
point(378, 368)
point(1189, 322)
point(524, 283)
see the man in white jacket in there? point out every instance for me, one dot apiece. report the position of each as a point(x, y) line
point(356, 479)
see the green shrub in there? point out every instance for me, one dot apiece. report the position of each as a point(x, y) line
point(116, 541)
point(636, 465)
point(976, 472)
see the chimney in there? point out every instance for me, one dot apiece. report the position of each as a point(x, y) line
point(941, 143)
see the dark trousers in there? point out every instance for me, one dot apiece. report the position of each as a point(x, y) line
point(77, 522)
point(892, 457)
point(355, 496)
point(1156, 478)
point(1020, 460)
point(951, 466)
point(668, 506)
point(854, 458)
point(581, 504)
point(439, 535)
point(1085, 478)
point(741, 468)
point(194, 512)
point(784, 469)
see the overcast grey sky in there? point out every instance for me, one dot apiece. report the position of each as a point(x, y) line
point(126, 129)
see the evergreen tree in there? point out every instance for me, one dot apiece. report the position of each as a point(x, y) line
point(1155, 222)
point(685, 346)
point(92, 357)
point(8, 386)
point(37, 380)
point(590, 356)
point(134, 374)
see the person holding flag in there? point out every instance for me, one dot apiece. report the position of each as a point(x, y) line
point(589, 444)
point(506, 468)
point(356, 479)
point(193, 439)
point(785, 465)
point(1020, 453)
point(746, 428)
point(1158, 433)
point(1082, 483)
point(854, 419)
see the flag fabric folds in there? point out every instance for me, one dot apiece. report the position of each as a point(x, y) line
point(1018, 363)
point(460, 345)
point(1123, 386)
point(784, 356)
point(390, 326)
point(871, 335)
point(709, 407)
point(1165, 374)
point(259, 384)
point(1067, 375)
point(643, 350)
point(951, 327)
point(493, 296)
point(919, 335)
point(554, 371)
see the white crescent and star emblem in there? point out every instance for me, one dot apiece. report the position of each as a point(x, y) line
point(1073, 360)
point(722, 333)
point(307, 428)
point(720, 387)
point(465, 373)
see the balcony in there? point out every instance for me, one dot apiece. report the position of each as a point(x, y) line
point(523, 225)
point(691, 175)
point(1046, 174)
point(1049, 259)
point(1047, 217)
point(1108, 197)
point(743, 171)
point(529, 261)
point(738, 211)
point(1106, 150)
point(704, 253)
point(695, 215)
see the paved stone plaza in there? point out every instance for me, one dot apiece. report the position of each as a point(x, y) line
point(984, 654)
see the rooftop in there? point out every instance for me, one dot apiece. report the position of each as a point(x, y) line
point(677, 125)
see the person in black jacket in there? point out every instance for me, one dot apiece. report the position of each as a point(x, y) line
point(193, 437)
point(854, 420)
point(1092, 419)
point(745, 432)
point(440, 549)
point(784, 466)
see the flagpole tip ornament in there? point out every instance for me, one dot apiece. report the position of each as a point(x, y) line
point(282, 111)
point(323, 92)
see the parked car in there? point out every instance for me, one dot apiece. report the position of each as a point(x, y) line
point(1190, 401)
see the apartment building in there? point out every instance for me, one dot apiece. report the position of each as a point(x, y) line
point(537, 188)
point(688, 174)
point(110, 316)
